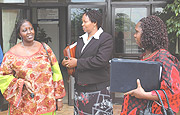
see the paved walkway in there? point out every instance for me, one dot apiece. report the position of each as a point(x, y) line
point(68, 110)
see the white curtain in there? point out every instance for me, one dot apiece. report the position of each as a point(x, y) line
point(8, 24)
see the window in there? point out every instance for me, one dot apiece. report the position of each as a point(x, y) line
point(48, 1)
point(127, 0)
point(87, 0)
point(76, 22)
point(9, 19)
point(12, 1)
point(125, 22)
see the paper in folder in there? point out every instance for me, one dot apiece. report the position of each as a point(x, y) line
point(68, 52)
point(125, 72)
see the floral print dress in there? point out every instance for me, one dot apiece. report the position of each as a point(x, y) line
point(37, 70)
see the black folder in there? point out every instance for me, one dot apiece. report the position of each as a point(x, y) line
point(125, 72)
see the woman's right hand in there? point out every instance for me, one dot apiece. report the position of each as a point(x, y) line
point(138, 92)
point(29, 86)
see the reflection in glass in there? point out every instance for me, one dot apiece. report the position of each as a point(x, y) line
point(158, 9)
point(12, 1)
point(128, 0)
point(9, 18)
point(48, 1)
point(125, 22)
point(87, 0)
point(76, 22)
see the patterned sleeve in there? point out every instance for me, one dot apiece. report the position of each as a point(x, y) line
point(57, 76)
point(10, 87)
point(170, 83)
point(1, 55)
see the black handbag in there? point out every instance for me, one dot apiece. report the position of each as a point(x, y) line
point(148, 110)
point(169, 110)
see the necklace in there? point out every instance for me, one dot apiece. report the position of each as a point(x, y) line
point(28, 48)
point(147, 55)
point(22, 44)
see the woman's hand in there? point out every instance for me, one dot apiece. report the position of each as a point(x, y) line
point(138, 92)
point(59, 105)
point(29, 87)
point(72, 63)
point(65, 62)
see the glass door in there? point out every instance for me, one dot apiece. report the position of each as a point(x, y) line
point(74, 20)
point(9, 19)
point(124, 22)
point(48, 28)
point(75, 13)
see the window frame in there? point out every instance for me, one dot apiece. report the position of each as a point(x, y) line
point(150, 5)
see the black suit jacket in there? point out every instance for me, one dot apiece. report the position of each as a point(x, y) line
point(93, 62)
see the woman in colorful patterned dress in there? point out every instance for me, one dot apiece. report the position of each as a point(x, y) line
point(93, 52)
point(26, 70)
point(1, 55)
point(151, 35)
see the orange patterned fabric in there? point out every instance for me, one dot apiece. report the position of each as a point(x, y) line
point(37, 70)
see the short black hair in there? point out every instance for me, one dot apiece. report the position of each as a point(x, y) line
point(95, 16)
point(18, 26)
point(154, 33)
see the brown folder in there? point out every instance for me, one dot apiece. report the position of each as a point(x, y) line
point(68, 52)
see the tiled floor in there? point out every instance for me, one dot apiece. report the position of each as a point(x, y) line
point(68, 110)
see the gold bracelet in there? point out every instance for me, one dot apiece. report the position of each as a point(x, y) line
point(59, 99)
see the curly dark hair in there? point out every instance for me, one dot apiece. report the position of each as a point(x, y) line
point(95, 16)
point(154, 34)
point(18, 26)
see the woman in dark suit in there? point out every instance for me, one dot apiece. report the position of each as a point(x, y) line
point(93, 52)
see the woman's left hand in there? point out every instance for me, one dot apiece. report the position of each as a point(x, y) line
point(59, 105)
point(138, 92)
point(72, 63)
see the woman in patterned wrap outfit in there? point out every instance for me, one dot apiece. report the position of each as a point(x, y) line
point(151, 35)
point(26, 70)
point(93, 52)
point(1, 55)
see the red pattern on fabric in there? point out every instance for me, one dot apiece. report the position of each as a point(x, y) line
point(170, 82)
point(37, 70)
point(14, 88)
point(59, 87)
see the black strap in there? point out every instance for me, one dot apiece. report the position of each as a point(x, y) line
point(170, 111)
point(47, 52)
point(163, 108)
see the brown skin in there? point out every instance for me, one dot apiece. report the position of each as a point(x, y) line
point(89, 27)
point(28, 48)
point(139, 91)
